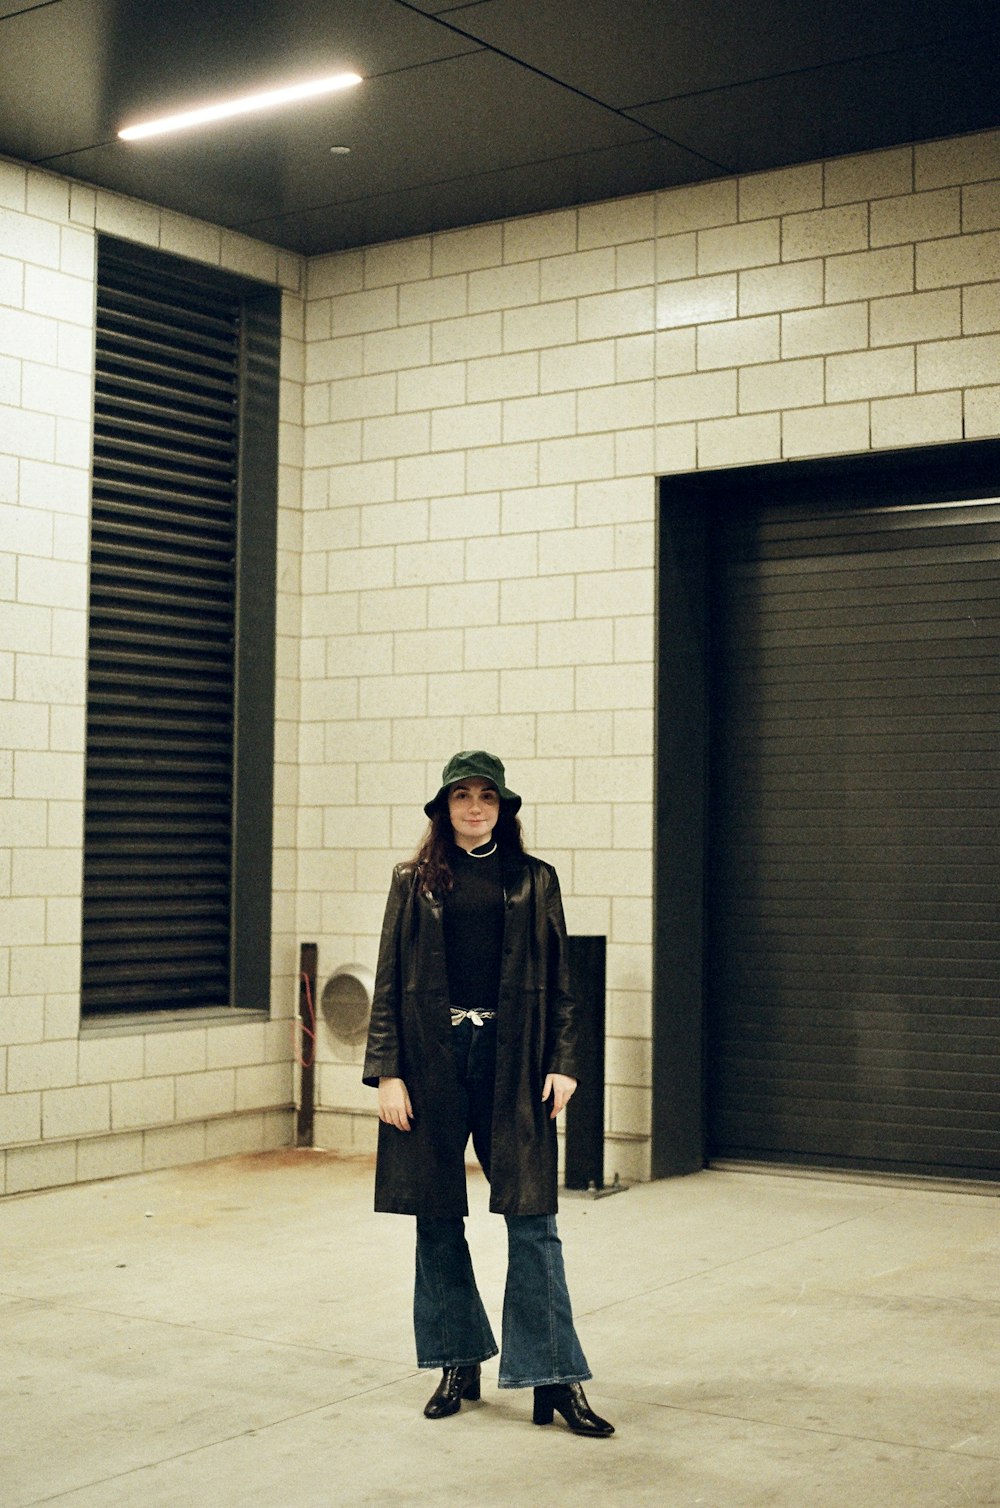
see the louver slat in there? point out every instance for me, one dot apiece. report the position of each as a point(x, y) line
point(158, 838)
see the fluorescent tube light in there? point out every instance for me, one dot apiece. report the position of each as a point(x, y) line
point(267, 100)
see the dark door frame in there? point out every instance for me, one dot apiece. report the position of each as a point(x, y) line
point(686, 505)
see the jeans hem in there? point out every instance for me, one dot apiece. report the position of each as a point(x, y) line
point(459, 1361)
point(544, 1382)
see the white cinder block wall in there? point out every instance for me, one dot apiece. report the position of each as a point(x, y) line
point(486, 415)
point(72, 1105)
point(472, 427)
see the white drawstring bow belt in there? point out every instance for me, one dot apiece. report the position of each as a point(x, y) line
point(476, 1017)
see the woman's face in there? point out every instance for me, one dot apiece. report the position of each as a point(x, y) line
point(473, 806)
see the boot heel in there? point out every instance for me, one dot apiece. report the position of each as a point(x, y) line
point(472, 1390)
point(542, 1412)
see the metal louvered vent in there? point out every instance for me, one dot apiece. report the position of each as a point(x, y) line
point(160, 704)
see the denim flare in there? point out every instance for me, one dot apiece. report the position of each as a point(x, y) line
point(539, 1340)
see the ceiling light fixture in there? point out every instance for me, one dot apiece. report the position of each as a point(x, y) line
point(268, 100)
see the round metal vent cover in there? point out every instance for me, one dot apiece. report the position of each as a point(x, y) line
point(346, 1003)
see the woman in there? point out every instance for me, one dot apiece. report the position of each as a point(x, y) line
point(472, 1034)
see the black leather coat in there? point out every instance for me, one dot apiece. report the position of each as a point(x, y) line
point(422, 1171)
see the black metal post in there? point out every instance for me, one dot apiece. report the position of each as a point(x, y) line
point(585, 1111)
point(308, 956)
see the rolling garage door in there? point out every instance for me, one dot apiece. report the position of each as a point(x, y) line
point(853, 951)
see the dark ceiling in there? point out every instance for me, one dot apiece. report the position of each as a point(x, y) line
point(477, 111)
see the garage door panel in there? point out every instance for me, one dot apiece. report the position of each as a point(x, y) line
point(853, 958)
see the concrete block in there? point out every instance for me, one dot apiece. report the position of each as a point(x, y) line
point(463, 604)
point(108, 1156)
point(172, 1052)
point(627, 405)
point(588, 364)
point(539, 690)
point(782, 192)
point(492, 468)
point(871, 374)
point(834, 430)
point(697, 206)
point(393, 350)
point(609, 687)
point(629, 312)
point(869, 274)
point(20, 1118)
point(538, 599)
point(739, 442)
point(981, 206)
point(504, 287)
point(615, 221)
point(916, 217)
point(538, 418)
point(816, 332)
point(919, 420)
point(676, 257)
point(675, 352)
point(427, 649)
point(432, 387)
point(960, 159)
point(434, 298)
point(364, 311)
point(441, 474)
point(676, 448)
point(200, 1095)
point(532, 329)
point(547, 235)
point(971, 362)
point(586, 458)
point(83, 1111)
point(739, 342)
point(396, 262)
point(824, 232)
point(40, 1167)
point(577, 275)
point(462, 339)
point(614, 593)
point(777, 385)
point(631, 920)
point(871, 175)
point(173, 1146)
point(491, 378)
point(533, 508)
point(511, 646)
point(754, 243)
point(577, 642)
point(916, 316)
point(394, 435)
point(982, 413)
point(343, 272)
point(466, 250)
point(695, 301)
point(958, 259)
point(635, 264)
point(707, 395)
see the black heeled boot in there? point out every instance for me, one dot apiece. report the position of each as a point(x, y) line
point(456, 1383)
point(571, 1401)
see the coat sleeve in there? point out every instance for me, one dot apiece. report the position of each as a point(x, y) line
point(561, 1041)
point(384, 1053)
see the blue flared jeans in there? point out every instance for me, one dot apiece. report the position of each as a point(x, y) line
point(539, 1340)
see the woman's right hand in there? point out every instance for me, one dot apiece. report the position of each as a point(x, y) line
point(394, 1104)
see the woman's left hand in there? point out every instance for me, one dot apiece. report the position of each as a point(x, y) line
point(560, 1086)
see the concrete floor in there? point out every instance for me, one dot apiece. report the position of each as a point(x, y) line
point(237, 1333)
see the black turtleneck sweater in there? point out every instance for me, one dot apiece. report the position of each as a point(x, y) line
point(473, 931)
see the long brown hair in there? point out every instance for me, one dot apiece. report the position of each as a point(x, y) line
point(432, 860)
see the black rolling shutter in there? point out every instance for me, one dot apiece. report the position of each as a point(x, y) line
point(853, 961)
point(158, 836)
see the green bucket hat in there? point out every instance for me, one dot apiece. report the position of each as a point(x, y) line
point(473, 764)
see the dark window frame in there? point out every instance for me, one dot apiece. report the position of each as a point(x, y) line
point(253, 647)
